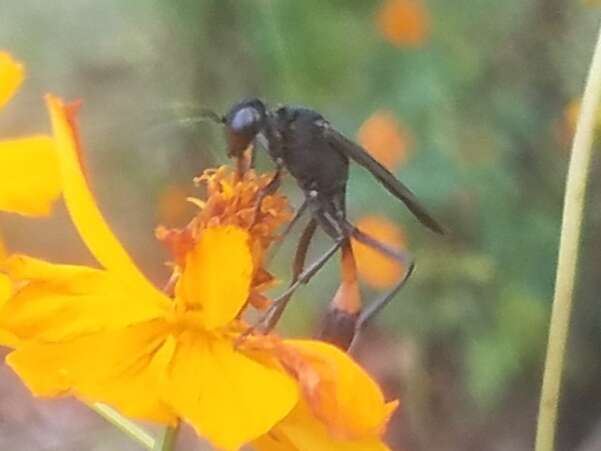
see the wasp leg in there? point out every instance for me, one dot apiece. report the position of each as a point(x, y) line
point(308, 273)
point(272, 317)
point(402, 257)
point(301, 277)
point(271, 187)
point(376, 306)
point(297, 215)
point(341, 326)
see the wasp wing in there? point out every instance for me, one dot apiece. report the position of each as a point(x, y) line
point(355, 152)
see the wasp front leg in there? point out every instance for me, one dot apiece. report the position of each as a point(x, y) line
point(270, 188)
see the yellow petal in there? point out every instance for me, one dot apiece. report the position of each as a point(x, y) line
point(29, 173)
point(217, 275)
point(82, 207)
point(227, 397)
point(5, 288)
point(11, 77)
point(339, 392)
point(274, 440)
point(7, 338)
point(119, 368)
point(302, 431)
point(59, 302)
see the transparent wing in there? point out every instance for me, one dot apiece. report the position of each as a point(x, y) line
point(355, 152)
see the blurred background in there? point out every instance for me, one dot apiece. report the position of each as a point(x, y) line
point(471, 103)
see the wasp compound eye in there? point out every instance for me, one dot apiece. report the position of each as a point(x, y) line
point(247, 118)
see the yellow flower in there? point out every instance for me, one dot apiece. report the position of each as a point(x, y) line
point(28, 166)
point(108, 335)
point(342, 408)
point(302, 431)
point(11, 75)
point(232, 201)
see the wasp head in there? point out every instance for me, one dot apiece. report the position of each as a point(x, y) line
point(242, 123)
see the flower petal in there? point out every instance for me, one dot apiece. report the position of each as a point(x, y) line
point(58, 302)
point(82, 207)
point(302, 431)
point(11, 77)
point(229, 398)
point(7, 338)
point(5, 288)
point(339, 392)
point(30, 177)
point(120, 368)
point(217, 275)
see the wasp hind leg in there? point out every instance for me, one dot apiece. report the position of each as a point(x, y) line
point(345, 320)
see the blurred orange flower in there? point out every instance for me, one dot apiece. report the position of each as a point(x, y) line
point(377, 269)
point(404, 23)
point(28, 166)
point(108, 335)
point(385, 139)
point(172, 205)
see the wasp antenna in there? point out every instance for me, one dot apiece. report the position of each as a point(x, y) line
point(211, 115)
point(195, 113)
point(202, 117)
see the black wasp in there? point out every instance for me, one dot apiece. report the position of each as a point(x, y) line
point(300, 141)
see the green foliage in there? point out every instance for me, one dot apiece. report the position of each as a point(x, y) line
point(484, 98)
point(498, 353)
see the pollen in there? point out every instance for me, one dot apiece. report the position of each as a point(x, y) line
point(233, 199)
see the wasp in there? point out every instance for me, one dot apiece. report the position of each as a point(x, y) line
point(303, 143)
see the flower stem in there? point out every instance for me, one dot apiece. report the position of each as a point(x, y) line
point(166, 440)
point(568, 254)
point(127, 426)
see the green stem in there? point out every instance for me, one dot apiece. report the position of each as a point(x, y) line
point(127, 426)
point(166, 440)
point(568, 255)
